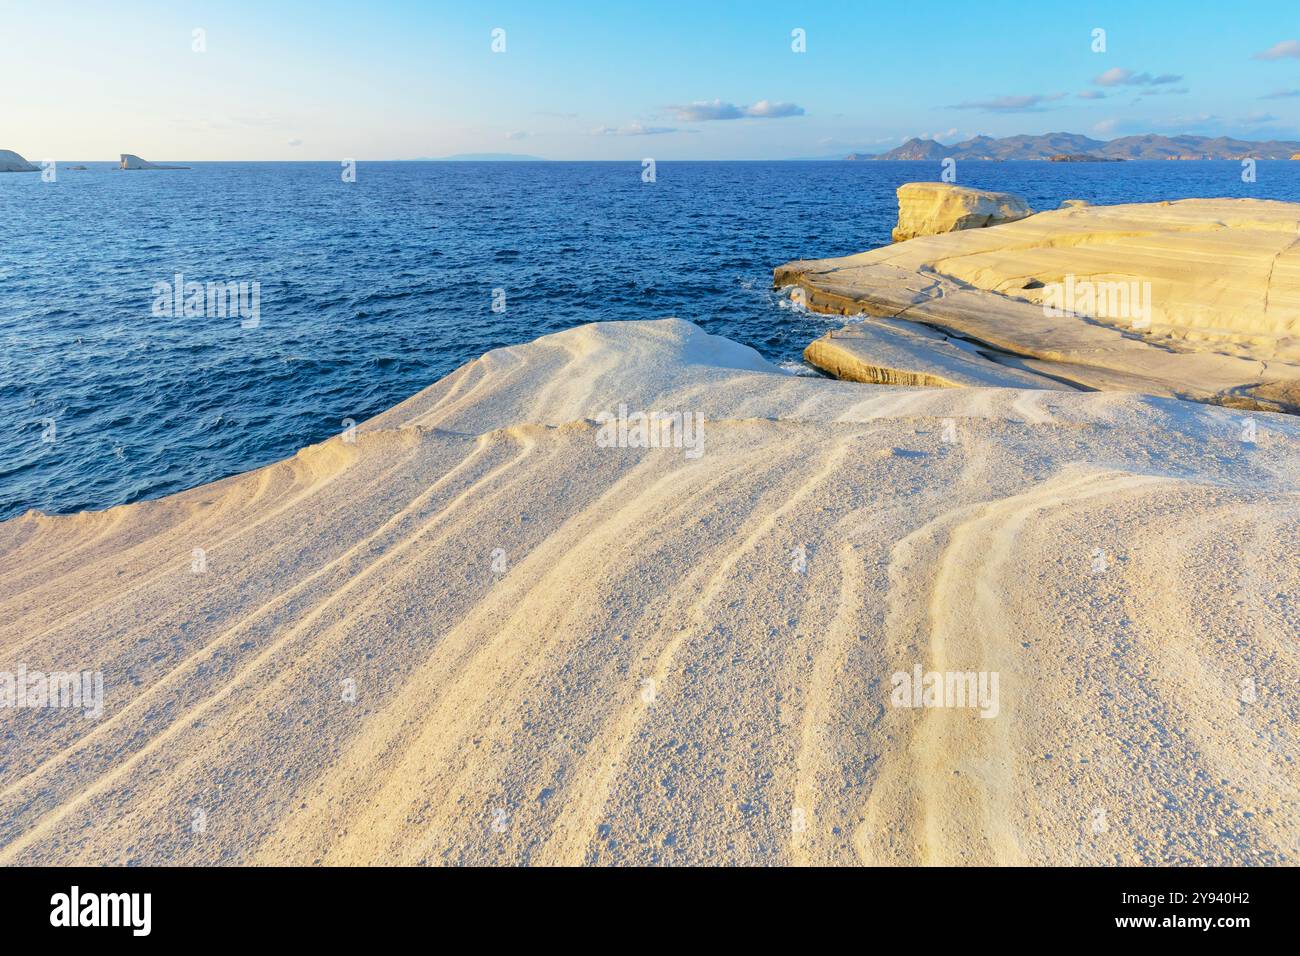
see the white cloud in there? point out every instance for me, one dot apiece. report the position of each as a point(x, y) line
point(1031, 103)
point(946, 134)
point(1278, 51)
point(635, 129)
point(766, 109)
point(1117, 76)
point(704, 111)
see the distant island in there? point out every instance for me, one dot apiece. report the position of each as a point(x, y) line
point(11, 162)
point(1050, 146)
point(1083, 158)
point(131, 161)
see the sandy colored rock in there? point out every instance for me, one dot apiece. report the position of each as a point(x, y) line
point(1222, 277)
point(474, 635)
point(927, 209)
point(895, 352)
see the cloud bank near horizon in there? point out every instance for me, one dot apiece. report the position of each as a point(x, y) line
point(704, 111)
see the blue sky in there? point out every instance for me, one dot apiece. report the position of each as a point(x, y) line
point(614, 80)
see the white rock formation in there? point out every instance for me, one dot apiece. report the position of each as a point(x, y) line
point(1196, 299)
point(898, 352)
point(670, 643)
point(131, 161)
point(11, 162)
point(927, 209)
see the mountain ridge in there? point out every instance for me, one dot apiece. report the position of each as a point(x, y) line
point(1047, 145)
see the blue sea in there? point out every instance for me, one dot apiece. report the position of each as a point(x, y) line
point(370, 290)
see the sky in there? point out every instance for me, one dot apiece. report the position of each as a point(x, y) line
point(613, 80)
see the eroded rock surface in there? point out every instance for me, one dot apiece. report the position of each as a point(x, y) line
point(1196, 299)
point(895, 352)
point(927, 209)
point(472, 613)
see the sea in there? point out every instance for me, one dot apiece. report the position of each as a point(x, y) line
point(349, 288)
